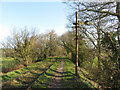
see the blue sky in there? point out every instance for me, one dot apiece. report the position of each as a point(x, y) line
point(44, 16)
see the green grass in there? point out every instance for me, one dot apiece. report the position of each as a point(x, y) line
point(8, 64)
point(45, 80)
point(13, 74)
point(69, 80)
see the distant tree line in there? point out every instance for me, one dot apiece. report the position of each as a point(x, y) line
point(27, 46)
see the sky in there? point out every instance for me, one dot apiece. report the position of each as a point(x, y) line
point(44, 16)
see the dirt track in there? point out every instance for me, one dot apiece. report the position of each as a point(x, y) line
point(56, 80)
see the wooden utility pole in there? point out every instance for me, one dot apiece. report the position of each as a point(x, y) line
point(76, 26)
point(76, 68)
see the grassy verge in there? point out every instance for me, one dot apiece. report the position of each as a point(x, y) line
point(40, 66)
point(69, 80)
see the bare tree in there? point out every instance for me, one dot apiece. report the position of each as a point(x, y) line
point(105, 19)
point(20, 46)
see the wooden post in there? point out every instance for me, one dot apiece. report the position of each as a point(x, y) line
point(76, 68)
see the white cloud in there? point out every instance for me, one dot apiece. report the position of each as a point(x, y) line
point(60, 30)
point(4, 32)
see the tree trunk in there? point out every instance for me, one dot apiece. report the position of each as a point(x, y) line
point(118, 11)
point(99, 52)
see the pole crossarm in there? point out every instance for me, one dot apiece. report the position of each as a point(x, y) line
point(83, 23)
